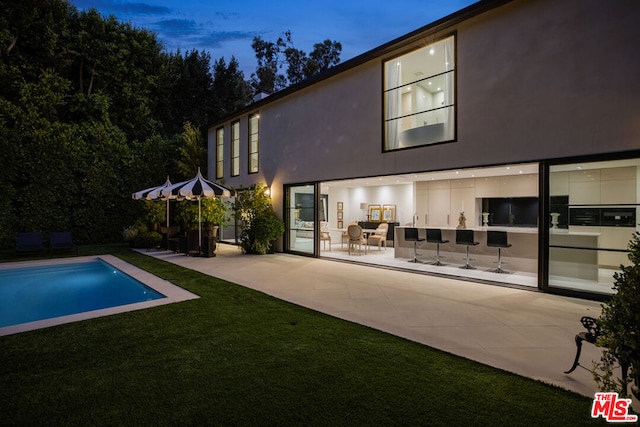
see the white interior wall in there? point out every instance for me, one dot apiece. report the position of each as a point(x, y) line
point(399, 195)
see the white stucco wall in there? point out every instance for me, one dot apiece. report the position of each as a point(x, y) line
point(536, 79)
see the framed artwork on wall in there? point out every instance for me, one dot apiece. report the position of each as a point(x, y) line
point(375, 214)
point(340, 224)
point(340, 215)
point(389, 213)
point(340, 205)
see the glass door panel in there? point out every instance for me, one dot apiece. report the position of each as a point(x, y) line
point(593, 216)
point(300, 219)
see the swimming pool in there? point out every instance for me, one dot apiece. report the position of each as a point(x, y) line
point(38, 294)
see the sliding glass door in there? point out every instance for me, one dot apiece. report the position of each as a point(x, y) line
point(300, 219)
point(593, 216)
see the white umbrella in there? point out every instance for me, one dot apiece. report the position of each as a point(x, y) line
point(154, 193)
point(196, 188)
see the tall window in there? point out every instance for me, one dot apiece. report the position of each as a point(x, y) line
point(253, 143)
point(235, 148)
point(419, 96)
point(220, 153)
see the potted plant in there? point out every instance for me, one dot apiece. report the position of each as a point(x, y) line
point(620, 325)
point(155, 213)
point(214, 216)
point(260, 225)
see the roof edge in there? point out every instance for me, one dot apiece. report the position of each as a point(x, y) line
point(455, 18)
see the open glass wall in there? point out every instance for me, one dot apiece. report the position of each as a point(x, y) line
point(300, 208)
point(593, 215)
point(503, 198)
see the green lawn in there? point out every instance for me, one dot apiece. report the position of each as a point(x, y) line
point(239, 357)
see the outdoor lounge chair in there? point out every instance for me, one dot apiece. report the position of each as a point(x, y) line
point(61, 240)
point(27, 242)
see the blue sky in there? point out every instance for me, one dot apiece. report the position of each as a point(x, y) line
point(227, 27)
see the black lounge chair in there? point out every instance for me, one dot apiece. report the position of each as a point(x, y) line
point(61, 240)
point(29, 242)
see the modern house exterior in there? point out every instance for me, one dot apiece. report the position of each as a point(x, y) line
point(522, 114)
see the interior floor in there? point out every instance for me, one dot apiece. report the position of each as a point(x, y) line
point(451, 267)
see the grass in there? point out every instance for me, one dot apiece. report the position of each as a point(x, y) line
point(239, 357)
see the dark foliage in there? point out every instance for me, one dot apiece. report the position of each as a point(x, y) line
point(91, 110)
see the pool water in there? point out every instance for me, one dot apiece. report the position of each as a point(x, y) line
point(35, 293)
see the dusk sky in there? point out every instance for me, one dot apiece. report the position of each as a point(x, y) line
point(225, 28)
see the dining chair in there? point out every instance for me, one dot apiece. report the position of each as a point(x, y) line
point(356, 237)
point(381, 235)
point(345, 235)
point(325, 235)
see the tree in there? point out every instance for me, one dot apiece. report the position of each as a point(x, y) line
point(192, 152)
point(230, 91)
point(620, 325)
point(260, 225)
point(266, 78)
point(272, 56)
point(324, 56)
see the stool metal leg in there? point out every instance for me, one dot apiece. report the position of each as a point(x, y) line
point(467, 266)
point(415, 254)
point(438, 255)
point(499, 269)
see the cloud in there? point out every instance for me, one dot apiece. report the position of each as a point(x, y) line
point(217, 39)
point(177, 27)
point(122, 8)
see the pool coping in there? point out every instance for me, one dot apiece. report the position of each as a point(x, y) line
point(172, 293)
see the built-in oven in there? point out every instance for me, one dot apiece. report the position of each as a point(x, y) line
point(603, 217)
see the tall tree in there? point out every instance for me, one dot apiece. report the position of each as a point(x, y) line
point(273, 56)
point(192, 152)
point(267, 77)
point(230, 90)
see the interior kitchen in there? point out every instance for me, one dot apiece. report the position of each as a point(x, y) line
point(592, 217)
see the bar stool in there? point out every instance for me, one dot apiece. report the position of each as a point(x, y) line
point(434, 235)
point(498, 239)
point(465, 237)
point(411, 235)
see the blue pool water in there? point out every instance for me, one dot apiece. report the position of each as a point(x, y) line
point(35, 293)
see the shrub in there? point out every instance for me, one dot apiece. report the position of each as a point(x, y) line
point(620, 324)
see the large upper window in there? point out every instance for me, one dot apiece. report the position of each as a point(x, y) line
point(220, 153)
point(253, 143)
point(235, 148)
point(419, 96)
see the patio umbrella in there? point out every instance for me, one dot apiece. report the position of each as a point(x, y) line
point(196, 189)
point(154, 193)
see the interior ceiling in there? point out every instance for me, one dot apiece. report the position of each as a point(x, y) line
point(410, 178)
point(504, 170)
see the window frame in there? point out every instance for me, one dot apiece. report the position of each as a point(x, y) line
point(450, 97)
point(235, 148)
point(251, 161)
point(220, 152)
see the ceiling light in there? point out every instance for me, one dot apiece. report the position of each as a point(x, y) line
point(432, 51)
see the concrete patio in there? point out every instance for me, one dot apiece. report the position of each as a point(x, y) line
point(525, 332)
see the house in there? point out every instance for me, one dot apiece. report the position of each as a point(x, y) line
point(524, 115)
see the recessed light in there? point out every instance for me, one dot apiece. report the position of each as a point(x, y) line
point(432, 51)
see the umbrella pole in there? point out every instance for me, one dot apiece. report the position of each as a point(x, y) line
point(199, 228)
point(167, 211)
